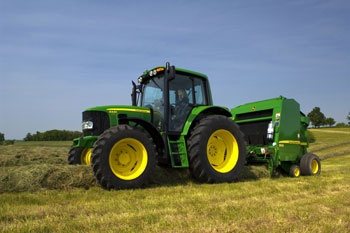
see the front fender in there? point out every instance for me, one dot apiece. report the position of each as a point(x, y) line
point(86, 142)
point(150, 128)
point(198, 112)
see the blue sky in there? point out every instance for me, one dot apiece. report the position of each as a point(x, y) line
point(59, 57)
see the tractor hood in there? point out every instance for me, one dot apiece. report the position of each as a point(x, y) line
point(104, 117)
point(117, 109)
point(98, 119)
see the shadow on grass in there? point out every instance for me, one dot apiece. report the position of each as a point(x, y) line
point(166, 176)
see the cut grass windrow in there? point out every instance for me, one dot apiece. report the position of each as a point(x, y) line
point(334, 154)
point(325, 147)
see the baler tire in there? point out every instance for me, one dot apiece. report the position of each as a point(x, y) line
point(213, 136)
point(310, 165)
point(123, 158)
point(74, 155)
point(294, 171)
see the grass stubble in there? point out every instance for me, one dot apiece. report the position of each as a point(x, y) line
point(40, 193)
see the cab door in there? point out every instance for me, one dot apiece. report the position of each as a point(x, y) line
point(185, 92)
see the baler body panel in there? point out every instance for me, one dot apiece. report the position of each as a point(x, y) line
point(289, 131)
point(288, 143)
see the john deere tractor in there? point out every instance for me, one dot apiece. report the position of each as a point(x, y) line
point(172, 121)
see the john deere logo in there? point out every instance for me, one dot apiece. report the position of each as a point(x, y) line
point(253, 108)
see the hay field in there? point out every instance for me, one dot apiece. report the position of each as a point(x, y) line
point(40, 193)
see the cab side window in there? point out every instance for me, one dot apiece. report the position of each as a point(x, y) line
point(199, 91)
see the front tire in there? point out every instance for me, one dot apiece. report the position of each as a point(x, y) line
point(216, 150)
point(79, 155)
point(123, 157)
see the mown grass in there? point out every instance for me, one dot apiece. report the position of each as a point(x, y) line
point(331, 142)
point(33, 168)
point(175, 203)
point(332, 128)
point(44, 143)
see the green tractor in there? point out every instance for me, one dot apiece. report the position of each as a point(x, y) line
point(172, 122)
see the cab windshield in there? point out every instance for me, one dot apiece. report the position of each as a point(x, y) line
point(152, 97)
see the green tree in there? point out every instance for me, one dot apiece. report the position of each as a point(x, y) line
point(2, 137)
point(316, 117)
point(28, 137)
point(53, 135)
point(341, 125)
point(348, 118)
point(329, 121)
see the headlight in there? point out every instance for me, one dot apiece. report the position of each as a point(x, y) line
point(87, 125)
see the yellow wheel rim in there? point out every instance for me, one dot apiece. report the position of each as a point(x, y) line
point(222, 151)
point(314, 166)
point(86, 156)
point(128, 159)
point(296, 172)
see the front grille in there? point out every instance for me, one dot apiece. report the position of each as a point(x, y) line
point(100, 120)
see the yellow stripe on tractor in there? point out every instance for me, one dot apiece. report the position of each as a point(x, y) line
point(128, 109)
point(290, 142)
point(293, 142)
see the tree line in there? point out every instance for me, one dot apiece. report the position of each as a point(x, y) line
point(5, 142)
point(318, 119)
point(53, 135)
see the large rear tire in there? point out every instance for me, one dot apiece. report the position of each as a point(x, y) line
point(123, 158)
point(216, 150)
point(310, 165)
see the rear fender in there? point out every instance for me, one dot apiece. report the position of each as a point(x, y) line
point(199, 113)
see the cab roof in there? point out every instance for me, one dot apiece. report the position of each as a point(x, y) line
point(180, 70)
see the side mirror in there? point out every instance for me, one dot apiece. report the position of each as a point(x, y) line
point(133, 94)
point(171, 71)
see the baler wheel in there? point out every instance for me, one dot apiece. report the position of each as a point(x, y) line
point(216, 150)
point(123, 157)
point(294, 171)
point(310, 165)
point(79, 155)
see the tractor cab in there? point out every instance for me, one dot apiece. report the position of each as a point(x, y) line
point(171, 95)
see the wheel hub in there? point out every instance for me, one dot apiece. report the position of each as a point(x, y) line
point(123, 158)
point(296, 172)
point(86, 156)
point(222, 151)
point(212, 151)
point(314, 166)
point(128, 159)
